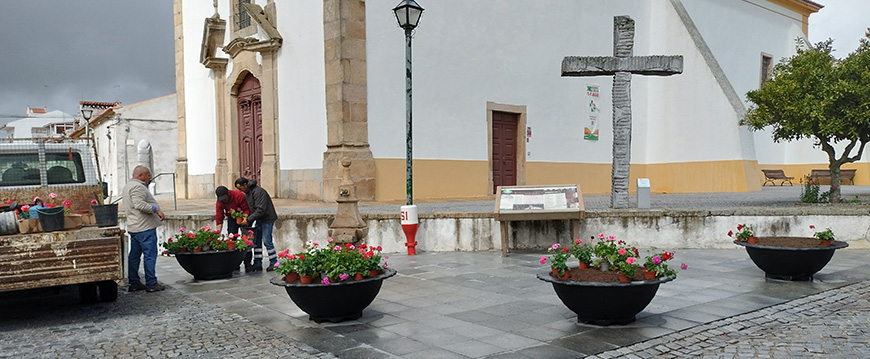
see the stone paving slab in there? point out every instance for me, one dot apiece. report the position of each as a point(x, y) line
point(830, 324)
point(51, 323)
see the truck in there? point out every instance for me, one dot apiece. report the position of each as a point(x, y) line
point(64, 171)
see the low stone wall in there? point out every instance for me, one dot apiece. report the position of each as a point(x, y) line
point(653, 228)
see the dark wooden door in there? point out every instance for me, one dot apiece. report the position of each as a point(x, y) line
point(250, 128)
point(504, 149)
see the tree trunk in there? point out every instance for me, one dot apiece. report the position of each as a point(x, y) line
point(835, 182)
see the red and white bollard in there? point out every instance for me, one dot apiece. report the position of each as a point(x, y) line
point(409, 226)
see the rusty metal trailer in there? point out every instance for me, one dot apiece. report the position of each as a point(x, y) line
point(90, 257)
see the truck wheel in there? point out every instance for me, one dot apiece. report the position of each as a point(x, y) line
point(108, 291)
point(88, 292)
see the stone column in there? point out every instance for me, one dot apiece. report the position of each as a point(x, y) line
point(344, 29)
point(181, 161)
point(269, 96)
point(221, 169)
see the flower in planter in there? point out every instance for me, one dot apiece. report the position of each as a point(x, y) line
point(605, 250)
point(744, 231)
point(628, 266)
point(826, 235)
point(334, 262)
point(582, 251)
point(204, 238)
point(558, 258)
point(657, 263)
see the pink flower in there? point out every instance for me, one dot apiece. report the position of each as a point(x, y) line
point(611, 237)
point(684, 266)
point(578, 241)
point(325, 281)
point(249, 243)
point(343, 276)
point(52, 195)
point(630, 260)
point(315, 244)
point(181, 229)
point(656, 259)
point(543, 259)
point(329, 239)
point(600, 235)
point(555, 246)
point(277, 264)
point(93, 202)
point(336, 248)
point(622, 251)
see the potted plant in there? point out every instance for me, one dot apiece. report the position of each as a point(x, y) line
point(559, 260)
point(332, 291)
point(105, 215)
point(217, 262)
point(582, 252)
point(656, 265)
point(238, 215)
point(599, 297)
point(744, 234)
point(793, 258)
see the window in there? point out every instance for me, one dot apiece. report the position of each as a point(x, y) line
point(243, 16)
point(766, 68)
point(23, 169)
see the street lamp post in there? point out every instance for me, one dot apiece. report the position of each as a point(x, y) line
point(86, 114)
point(408, 14)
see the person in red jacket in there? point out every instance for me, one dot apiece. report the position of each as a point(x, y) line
point(228, 201)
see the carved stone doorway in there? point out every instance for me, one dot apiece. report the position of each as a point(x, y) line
point(250, 117)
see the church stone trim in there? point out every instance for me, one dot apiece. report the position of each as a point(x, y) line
point(181, 180)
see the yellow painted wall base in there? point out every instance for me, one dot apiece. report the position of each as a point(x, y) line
point(443, 179)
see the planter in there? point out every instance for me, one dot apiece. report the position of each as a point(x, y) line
point(106, 215)
point(210, 265)
point(51, 219)
point(335, 302)
point(603, 303)
point(791, 263)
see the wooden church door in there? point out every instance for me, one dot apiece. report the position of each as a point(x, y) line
point(504, 149)
point(250, 128)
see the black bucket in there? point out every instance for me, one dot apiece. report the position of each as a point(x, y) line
point(106, 215)
point(51, 219)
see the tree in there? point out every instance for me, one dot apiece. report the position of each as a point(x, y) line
point(816, 96)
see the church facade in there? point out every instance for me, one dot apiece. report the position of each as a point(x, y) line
point(281, 91)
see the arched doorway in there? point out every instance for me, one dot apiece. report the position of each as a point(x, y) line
point(250, 128)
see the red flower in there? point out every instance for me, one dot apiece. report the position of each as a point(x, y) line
point(812, 227)
point(301, 256)
point(730, 233)
point(565, 249)
point(739, 227)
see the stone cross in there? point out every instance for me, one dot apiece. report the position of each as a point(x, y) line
point(621, 65)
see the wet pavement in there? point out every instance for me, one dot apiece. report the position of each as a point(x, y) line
point(466, 305)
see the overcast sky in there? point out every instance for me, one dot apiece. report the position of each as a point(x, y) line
point(55, 53)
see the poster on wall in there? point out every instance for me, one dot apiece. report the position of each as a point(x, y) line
point(590, 131)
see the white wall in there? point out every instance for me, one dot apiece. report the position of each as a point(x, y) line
point(199, 90)
point(301, 85)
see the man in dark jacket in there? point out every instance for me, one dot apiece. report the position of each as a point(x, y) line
point(262, 218)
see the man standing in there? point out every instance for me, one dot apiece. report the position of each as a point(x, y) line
point(228, 201)
point(262, 218)
point(143, 218)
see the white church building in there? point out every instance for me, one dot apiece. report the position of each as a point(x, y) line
point(282, 90)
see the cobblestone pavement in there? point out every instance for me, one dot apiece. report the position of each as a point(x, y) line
point(831, 324)
point(51, 323)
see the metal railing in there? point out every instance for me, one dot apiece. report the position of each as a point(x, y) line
point(174, 197)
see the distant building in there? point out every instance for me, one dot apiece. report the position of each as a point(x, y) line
point(38, 123)
point(117, 131)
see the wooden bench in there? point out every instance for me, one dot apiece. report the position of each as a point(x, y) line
point(844, 174)
point(771, 175)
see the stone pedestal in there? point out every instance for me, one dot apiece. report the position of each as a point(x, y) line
point(348, 226)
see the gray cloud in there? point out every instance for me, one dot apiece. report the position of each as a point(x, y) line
point(54, 53)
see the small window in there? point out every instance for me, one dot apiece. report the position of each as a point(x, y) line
point(19, 169)
point(244, 17)
point(64, 168)
point(766, 68)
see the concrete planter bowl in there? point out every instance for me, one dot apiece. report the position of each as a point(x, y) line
point(791, 263)
point(335, 302)
point(211, 264)
point(605, 303)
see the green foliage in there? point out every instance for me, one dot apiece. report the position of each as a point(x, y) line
point(582, 251)
point(813, 95)
point(810, 193)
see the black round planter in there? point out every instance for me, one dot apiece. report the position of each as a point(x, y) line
point(790, 263)
point(605, 303)
point(211, 264)
point(335, 302)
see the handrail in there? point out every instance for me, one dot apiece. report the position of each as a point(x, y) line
point(174, 197)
